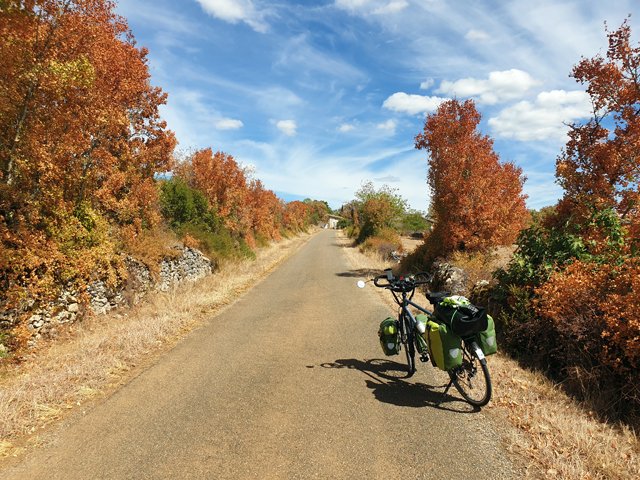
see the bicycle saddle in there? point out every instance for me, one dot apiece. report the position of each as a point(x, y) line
point(436, 297)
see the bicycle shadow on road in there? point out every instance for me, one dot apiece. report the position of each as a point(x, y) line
point(388, 383)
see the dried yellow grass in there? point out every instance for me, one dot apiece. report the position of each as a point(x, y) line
point(553, 435)
point(100, 351)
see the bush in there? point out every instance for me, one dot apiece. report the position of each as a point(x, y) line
point(383, 244)
point(593, 311)
point(570, 302)
point(187, 211)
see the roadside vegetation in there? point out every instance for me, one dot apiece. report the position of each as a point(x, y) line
point(564, 282)
point(89, 172)
point(377, 218)
point(567, 302)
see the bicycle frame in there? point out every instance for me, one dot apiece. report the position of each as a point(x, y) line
point(404, 305)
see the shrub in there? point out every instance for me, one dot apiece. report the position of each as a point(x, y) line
point(593, 313)
point(382, 244)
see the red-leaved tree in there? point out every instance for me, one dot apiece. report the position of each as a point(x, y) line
point(476, 200)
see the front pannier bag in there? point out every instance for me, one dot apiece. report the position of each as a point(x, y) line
point(445, 347)
point(389, 336)
point(464, 318)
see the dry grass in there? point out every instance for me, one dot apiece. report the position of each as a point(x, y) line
point(555, 435)
point(100, 352)
point(552, 434)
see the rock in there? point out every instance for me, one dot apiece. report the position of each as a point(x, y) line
point(73, 308)
point(449, 278)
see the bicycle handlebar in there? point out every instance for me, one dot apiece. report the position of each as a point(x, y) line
point(402, 283)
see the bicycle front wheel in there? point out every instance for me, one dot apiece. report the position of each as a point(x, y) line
point(472, 378)
point(409, 346)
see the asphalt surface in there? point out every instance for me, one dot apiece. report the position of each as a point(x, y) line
point(290, 382)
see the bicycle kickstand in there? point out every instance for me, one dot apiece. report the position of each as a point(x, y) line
point(445, 392)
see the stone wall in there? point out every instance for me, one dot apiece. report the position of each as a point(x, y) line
point(44, 320)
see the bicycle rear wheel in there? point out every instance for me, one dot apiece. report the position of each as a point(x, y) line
point(409, 346)
point(472, 378)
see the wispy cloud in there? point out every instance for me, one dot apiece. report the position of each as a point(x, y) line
point(374, 7)
point(388, 126)
point(389, 179)
point(499, 87)
point(346, 127)
point(412, 104)
point(544, 119)
point(228, 124)
point(474, 35)
point(234, 11)
point(298, 55)
point(391, 7)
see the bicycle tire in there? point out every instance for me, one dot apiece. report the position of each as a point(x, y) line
point(409, 347)
point(472, 378)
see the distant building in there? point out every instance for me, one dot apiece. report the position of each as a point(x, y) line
point(333, 221)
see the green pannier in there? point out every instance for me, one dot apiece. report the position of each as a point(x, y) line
point(445, 347)
point(421, 342)
point(487, 338)
point(389, 336)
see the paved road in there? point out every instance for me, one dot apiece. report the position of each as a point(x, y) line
point(288, 383)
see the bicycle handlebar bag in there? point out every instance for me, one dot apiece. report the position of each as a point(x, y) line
point(464, 318)
point(389, 336)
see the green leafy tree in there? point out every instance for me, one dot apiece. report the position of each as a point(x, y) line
point(379, 209)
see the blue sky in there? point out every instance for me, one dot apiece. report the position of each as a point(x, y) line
point(319, 96)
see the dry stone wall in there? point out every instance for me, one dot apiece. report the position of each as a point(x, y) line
point(188, 264)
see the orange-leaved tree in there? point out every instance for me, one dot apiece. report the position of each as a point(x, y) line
point(80, 141)
point(477, 201)
point(224, 182)
point(600, 166)
point(591, 301)
point(266, 211)
point(296, 215)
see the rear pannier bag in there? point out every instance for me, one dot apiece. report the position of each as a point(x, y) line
point(445, 347)
point(461, 316)
point(389, 336)
point(487, 338)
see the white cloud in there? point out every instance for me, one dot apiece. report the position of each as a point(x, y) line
point(234, 11)
point(228, 124)
point(499, 87)
point(543, 119)
point(474, 35)
point(375, 7)
point(388, 126)
point(391, 7)
point(352, 4)
point(412, 104)
point(427, 84)
point(288, 127)
point(346, 127)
